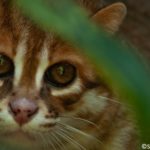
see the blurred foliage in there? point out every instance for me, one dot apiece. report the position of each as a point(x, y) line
point(123, 69)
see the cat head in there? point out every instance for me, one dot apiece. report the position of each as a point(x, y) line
point(44, 81)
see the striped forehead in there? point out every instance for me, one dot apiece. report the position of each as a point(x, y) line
point(31, 59)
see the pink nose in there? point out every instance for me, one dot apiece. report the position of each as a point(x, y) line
point(23, 110)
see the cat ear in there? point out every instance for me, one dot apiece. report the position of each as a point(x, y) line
point(111, 17)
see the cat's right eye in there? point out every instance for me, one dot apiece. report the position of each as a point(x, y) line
point(60, 74)
point(6, 66)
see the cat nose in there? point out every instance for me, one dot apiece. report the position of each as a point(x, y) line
point(23, 110)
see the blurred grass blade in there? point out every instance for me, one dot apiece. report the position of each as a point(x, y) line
point(123, 69)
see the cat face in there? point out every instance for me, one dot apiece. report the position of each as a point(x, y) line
point(44, 82)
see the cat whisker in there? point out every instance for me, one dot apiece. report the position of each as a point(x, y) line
point(116, 102)
point(110, 99)
point(51, 138)
point(81, 119)
point(66, 137)
point(75, 130)
point(42, 138)
point(45, 144)
point(38, 138)
point(45, 138)
point(46, 135)
point(59, 142)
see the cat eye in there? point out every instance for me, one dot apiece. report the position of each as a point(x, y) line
point(6, 66)
point(60, 74)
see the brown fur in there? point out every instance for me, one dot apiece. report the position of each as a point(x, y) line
point(115, 129)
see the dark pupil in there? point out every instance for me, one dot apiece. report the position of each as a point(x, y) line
point(6, 66)
point(61, 74)
point(3, 65)
point(1, 60)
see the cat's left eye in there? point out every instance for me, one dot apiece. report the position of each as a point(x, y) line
point(60, 74)
point(6, 66)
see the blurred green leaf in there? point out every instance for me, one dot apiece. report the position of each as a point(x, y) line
point(124, 70)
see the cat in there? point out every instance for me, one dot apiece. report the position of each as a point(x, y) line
point(50, 94)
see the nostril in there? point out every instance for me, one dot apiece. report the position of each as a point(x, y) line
point(23, 109)
point(13, 94)
point(12, 110)
point(31, 112)
point(16, 111)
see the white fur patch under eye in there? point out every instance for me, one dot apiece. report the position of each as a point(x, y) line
point(75, 88)
point(43, 63)
point(93, 102)
point(19, 60)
